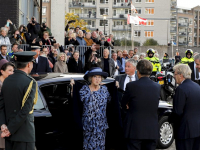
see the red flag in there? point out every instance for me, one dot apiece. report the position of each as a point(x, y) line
point(142, 21)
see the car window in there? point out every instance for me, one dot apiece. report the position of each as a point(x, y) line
point(39, 105)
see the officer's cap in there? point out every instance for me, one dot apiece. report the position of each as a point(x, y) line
point(25, 56)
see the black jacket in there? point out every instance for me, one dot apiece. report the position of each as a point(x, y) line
point(73, 67)
point(33, 30)
point(7, 57)
point(141, 121)
point(17, 118)
point(72, 41)
point(186, 110)
point(191, 65)
point(42, 66)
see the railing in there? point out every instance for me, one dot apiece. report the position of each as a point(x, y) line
point(183, 24)
point(83, 49)
point(25, 47)
point(81, 4)
point(88, 15)
point(121, 27)
point(120, 16)
point(122, 4)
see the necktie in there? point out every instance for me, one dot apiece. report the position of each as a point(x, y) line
point(130, 78)
point(197, 74)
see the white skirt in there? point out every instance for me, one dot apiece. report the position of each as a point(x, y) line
point(2, 142)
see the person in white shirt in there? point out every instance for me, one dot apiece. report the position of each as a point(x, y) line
point(118, 65)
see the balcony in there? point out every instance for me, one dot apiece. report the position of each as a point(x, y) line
point(182, 43)
point(90, 27)
point(182, 33)
point(183, 24)
point(173, 5)
point(173, 30)
point(81, 4)
point(87, 16)
point(120, 16)
point(173, 19)
point(195, 43)
point(121, 28)
point(122, 5)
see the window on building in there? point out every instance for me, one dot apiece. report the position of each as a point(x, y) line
point(45, 1)
point(138, 1)
point(150, 23)
point(101, 23)
point(137, 34)
point(114, 12)
point(126, 11)
point(103, 11)
point(191, 21)
point(149, 11)
point(103, 1)
point(44, 19)
point(190, 39)
point(44, 10)
point(139, 11)
point(149, 1)
point(149, 33)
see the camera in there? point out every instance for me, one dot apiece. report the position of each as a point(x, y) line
point(18, 36)
point(44, 26)
point(70, 49)
point(24, 29)
point(116, 67)
point(33, 21)
point(103, 38)
point(51, 37)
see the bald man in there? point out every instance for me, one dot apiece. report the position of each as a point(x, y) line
point(107, 64)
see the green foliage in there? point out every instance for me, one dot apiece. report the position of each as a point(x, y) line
point(125, 42)
point(150, 42)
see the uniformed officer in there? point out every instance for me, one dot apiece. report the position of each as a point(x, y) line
point(155, 61)
point(18, 96)
point(188, 59)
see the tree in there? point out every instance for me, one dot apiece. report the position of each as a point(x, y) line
point(150, 42)
point(79, 22)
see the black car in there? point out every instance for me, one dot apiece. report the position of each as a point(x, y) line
point(53, 113)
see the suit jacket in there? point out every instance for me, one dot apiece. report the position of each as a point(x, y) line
point(42, 66)
point(186, 110)
point(120, 66)
point(141, 121)
point(7, 57)
point(19, 121)
point(111, 66)
point(75, 67)
point(121, 78)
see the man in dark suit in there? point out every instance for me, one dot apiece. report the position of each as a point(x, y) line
point(3, 54)
point(195, 67)
point(41, 65)
point(141, 98)
point(75, 64)
point(123, 60)
point(186, 110)
point(18, 97)
point(130, 74)
point(118, 65)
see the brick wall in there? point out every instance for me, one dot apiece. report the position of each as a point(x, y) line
point(9, 9)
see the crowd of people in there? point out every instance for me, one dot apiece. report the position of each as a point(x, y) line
point(96, 63)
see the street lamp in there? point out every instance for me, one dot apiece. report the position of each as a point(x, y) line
point(81, 11)
point(104, 20)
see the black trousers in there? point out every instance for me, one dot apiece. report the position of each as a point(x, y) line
point(188, 144)
point(134, 144)
point(13, 145)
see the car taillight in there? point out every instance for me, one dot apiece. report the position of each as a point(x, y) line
point(160, 78)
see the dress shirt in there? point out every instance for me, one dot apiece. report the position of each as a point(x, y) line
point(116, 70)
point(195, 72)
point(4, 57)
point(36, 60)
point(127, 80)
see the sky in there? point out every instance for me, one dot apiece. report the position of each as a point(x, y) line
point(188, 3)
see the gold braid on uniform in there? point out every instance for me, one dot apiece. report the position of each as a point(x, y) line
point(28, 93)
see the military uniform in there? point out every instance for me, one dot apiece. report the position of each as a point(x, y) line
point(18, 96)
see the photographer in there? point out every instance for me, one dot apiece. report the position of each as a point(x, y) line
point(25, 35)
point(48, 40)
point(33, 28)
point(17, 38)
point(71, 39)
point(44, 28)
point(11, 28)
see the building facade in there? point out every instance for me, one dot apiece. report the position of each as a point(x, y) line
point(46, 12)
point(19, 11)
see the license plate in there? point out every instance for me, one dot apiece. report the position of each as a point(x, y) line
point(161, 82)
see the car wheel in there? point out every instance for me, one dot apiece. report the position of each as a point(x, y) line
point(166, 133)
point(163, 95)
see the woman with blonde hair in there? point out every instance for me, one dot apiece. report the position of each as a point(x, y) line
point(60, 65)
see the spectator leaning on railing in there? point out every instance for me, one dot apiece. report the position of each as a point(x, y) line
point(4, 40)
point(80, 38)
point(71, 39)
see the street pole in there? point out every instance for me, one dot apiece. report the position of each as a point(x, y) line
point(104, 28)
point(167, 30)
point(172, 48)
point(132, 31)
